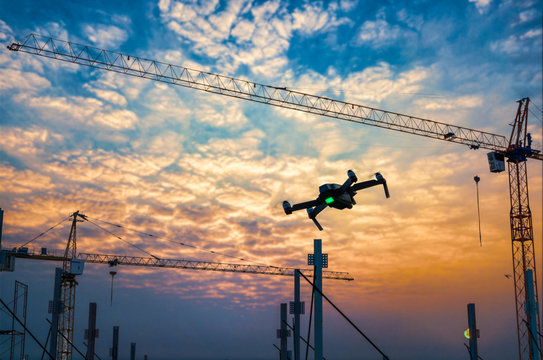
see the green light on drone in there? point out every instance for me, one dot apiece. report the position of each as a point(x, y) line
point(329, 200)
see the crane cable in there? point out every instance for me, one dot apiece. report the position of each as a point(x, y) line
point(43, 233)
point(183, 244)
point(120, 238)
point(477, 179)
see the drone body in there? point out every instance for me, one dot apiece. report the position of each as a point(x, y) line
point(335, 196)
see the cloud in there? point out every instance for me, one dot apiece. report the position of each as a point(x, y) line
point(26, 143)
point(462, 102)
point(88, 111)
point(5, 31)
point(105, 36)
point(108, 95)
point(261, 33)
point(518, 44)
point(226, 115)
point(11, 79)
point(378, 33)
point(481, 5)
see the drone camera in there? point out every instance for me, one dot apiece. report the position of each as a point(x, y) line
point(287, 207)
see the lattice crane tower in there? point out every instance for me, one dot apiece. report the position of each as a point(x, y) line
point(517, 150)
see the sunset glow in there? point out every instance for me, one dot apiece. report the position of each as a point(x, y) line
point(171, 172)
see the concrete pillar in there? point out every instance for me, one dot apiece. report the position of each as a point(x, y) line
point(132, 351)
point(56, 308)
point(472, 326)
point(318, 260)
point(532, 310)
point(1, 225)
point(115, 346)
point(297, 311)
point(92, 332)
point(283, 332)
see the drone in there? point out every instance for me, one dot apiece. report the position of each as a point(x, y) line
point(335, 196)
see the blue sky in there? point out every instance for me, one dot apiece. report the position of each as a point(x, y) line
point(212, 171)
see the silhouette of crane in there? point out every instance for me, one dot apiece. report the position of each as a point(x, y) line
point(73, 262)
point(516, 151)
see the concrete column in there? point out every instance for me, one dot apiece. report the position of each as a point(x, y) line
point(115, 346)
point(132, 351)
point(1, 225)
point(92, 332)
point(55, 312)
point(318, 298)
point(531, 308)
point(472, 326)
point(283, 332)
point(297, 311)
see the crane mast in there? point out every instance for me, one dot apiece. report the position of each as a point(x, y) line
point(517, 150)
point(72, 265)
point(67, 295)
point(522, 235)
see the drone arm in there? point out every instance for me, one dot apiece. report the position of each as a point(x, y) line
point(313, 212)
point(305, 205)
point(350, 180)
point(317, 224)
point(366, 184)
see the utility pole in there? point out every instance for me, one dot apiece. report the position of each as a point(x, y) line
point(320, 261)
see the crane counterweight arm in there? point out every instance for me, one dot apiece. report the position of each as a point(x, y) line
point(251, 91)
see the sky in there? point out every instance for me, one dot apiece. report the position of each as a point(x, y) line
point(212, 171)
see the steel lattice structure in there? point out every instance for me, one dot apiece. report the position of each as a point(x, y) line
point(248, 90)
point(522, 234)
point(517, 150)
point(181, 264)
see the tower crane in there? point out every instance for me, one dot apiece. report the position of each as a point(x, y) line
point(515, 151)
point(73, 262)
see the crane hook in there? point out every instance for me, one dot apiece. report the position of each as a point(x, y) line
point(477, 179)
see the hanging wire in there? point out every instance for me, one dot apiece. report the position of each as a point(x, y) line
point(182, 243)
point(385, 357)
point(43, 233)
point(120, 238)
point(477, 179)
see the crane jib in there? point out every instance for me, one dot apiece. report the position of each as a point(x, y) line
point(251, 91)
